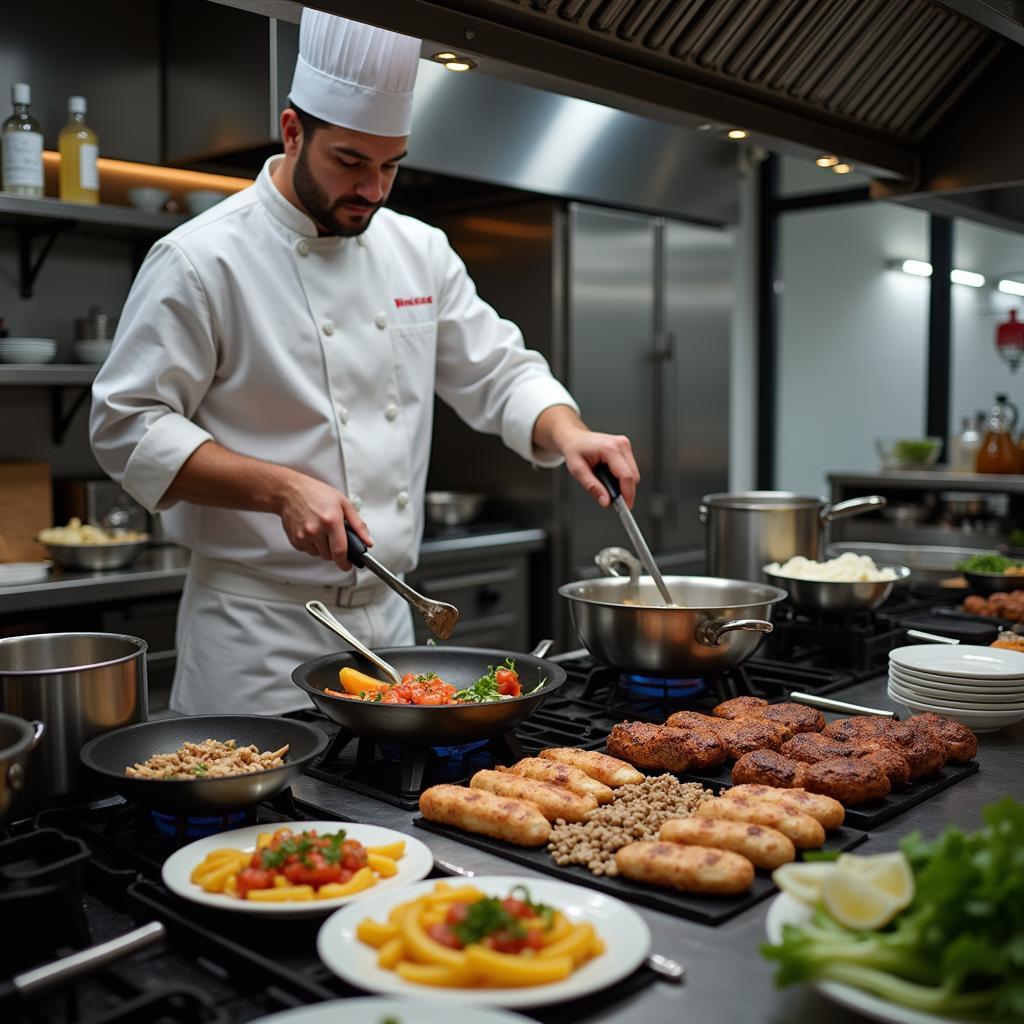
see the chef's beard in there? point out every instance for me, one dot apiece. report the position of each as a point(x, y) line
point(320, 206)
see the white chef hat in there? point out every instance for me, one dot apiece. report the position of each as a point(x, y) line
point(354, 75)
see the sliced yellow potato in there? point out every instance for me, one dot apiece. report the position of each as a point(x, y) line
point(383, 865)
point(513, 971)
point(434, 974)
point(394, 850)
point(376, 933)
point(390, 953)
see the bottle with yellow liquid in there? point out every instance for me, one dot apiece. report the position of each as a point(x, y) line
point(79, 150)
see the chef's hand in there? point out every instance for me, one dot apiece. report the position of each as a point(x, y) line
point(314, 515)
point(559, 429)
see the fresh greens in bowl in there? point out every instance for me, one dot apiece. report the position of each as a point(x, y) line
point(909, 452)
point(957, 949)
point(989, 563)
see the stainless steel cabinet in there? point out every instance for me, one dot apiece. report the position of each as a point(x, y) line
point(649, 308)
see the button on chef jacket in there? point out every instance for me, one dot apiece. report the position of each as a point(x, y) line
point(320, 354)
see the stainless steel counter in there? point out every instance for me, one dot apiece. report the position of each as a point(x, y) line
point(161, 571)
point(727, 980)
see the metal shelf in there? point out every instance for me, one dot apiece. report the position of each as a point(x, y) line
point(39, 222)
point(47, 375)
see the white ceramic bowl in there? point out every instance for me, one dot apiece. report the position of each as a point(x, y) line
point(27, 350)
point(202, 199)
point(149, 200)
point(93, 352)
point(979, 721)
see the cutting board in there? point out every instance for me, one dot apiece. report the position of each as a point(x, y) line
point(26, 507)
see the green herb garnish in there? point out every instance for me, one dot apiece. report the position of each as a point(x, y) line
point(487, 916)
point(987, 563)
point(486, 687)
point(199, 769)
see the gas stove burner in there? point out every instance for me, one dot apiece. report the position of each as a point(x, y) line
point(197, 827)
point(653, 686)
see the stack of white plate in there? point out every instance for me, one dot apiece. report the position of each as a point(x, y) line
point(27, 350)
point(982, 687)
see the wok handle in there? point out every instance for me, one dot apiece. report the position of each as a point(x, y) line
point(710, 631)
point(826, 704)
point(542, 648)
point(852, 507)
point(609, 561)
point(40, 979)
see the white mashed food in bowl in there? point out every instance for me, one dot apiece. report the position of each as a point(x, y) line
point(847, 568)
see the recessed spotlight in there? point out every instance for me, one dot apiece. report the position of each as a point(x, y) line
point(446, 55)
point(842, 168)
point(736, 134)
point(827, 160)
point(460, 65)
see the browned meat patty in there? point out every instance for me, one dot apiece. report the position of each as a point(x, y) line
point(661, 748)
point(850, 780)
point(866, 727)
point(768, 768)
point(961, 744)
point(797, 717)
point(740, 707)
point(740, 736)
point(812, 747)
point(889, 758)
point(924, 751)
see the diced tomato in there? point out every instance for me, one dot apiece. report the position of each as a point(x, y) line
point(353, 856)
point(457, 913)
point(507, 682)
point(504, 941)
point(534, 939)
point(517, 907)
point(445, 934)
point(254, 878)
point(316, 873)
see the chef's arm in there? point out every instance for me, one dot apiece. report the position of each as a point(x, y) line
point(312, 513)
point(559, 429)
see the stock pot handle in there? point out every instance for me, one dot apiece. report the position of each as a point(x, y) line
point(609, 561)
point(710, 631)
point(851, 507)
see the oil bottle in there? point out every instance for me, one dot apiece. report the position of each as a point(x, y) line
point(79, 150)
point(21, 140)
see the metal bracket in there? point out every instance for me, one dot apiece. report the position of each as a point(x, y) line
point(61, 414)
point(29, 265)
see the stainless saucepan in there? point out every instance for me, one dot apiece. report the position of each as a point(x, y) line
point(715, 623)
point(838, 595)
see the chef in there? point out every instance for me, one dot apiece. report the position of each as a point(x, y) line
point(273, 378)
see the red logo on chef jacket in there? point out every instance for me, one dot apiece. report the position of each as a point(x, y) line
point(415, 300)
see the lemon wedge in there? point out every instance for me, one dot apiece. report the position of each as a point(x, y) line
point(855, 901)
point(889, 872)
point(803, 881)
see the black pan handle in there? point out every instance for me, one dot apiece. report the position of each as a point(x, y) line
point(609, 479)
point(356, 548)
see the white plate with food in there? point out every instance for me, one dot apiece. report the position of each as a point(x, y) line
point(378, 1010)
point(201, 871)
point(961, 662)
point(589, 941)
point(783, 910)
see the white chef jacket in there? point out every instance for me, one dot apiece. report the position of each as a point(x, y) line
point(320, 354)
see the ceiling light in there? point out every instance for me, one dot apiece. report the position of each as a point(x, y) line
point(967, 277)
point(1011, 287)
point(736, 134)
point(919, 268)
point(460, 65)
point(842, 168)
point(827, 160)
point(445, 56)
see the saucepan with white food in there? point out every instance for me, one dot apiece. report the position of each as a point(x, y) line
point(849, 583)
point(206, 764)
point(426, 695)
point(712, 624)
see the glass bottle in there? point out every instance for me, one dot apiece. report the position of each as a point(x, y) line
point(998, 452)
point(21, 140)
point(965, 446)
point(79, 149)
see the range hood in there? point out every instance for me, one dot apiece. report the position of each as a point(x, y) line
point(923, 95)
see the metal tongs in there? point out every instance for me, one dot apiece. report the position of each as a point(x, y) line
point(439, 616)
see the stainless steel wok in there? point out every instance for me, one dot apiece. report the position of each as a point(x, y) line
point(624, 623)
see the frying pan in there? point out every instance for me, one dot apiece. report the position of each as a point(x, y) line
point(111, 752)
point(448, 724)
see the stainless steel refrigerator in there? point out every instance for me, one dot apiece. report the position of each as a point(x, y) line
point(634, 314)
